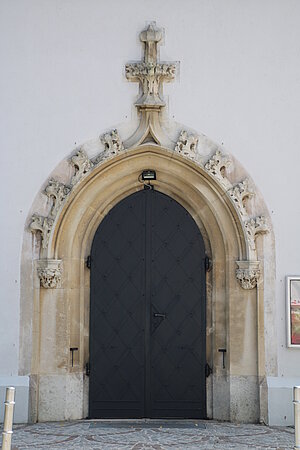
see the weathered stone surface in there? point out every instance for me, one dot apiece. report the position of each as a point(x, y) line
point(254, 227)
point(150, 73)
point(50, 272)
point(187, 145)
point(112, 145)
point(238, 194)
point(42, 225)
point(216, 167)
point(57, 192)
point(60, 397)
point(82, 165)
point(248, 273)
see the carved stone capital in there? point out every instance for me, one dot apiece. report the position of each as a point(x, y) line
point(255, 226)
point(42, 225)
point(50, 273)
point(216, 167)
point(248, 273)
point(81, 164)
point(150, 76)
point(187, 145)
point(57, 192)
point(112, 143)
point(238, 194)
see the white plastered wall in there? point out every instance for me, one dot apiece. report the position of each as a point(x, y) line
point(62, 83)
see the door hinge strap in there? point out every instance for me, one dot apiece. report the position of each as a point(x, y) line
point(207, 263)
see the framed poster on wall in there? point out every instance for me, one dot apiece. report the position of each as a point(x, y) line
point(293, 311)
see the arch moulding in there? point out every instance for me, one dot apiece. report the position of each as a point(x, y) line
point(55, 286)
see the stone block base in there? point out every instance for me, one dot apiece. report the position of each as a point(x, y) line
point(60, 397)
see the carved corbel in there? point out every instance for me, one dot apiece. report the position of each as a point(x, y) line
point(50, 273)
point(42, 225)
point(57, 192)
point(187, 145)
point(248, 273)
point(255, 226)
point(216, 167)
point(238, 194)
point(81, 164)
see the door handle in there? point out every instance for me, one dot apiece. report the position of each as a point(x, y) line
point(162, 315)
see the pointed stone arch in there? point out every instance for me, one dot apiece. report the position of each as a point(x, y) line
point(55, 276)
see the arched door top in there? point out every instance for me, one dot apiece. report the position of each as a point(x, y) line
point(120, 172)
point(151, 136)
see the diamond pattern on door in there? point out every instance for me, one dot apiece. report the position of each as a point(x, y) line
point(147, 319)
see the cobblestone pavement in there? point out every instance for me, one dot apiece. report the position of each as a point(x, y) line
point(149, 434)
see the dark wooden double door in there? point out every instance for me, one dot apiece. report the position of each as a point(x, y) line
point(147, 319)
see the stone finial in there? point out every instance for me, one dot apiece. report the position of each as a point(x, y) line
point(42, 225)
point(238, 194)
point(151, 37)
point(81, 164)
point(149, 73)
point(187, 145)
point(50, 273)
point(255, 226)
point(112, 143)
point(216, 166)
point(57, 192)
point(248, 273)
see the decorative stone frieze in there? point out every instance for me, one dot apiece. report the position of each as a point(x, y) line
point(42, 225)
point(248, 273)
point(57, 192)
point(216, 167)
point(238, 194)
point(187, 145)
point(112, 143)
point(150, 73)
point(82, 165)
point(50, 273)
point(253, 227)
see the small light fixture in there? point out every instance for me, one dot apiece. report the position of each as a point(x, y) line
point(148, 175)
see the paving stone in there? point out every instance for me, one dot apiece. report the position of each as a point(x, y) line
point(150, 435)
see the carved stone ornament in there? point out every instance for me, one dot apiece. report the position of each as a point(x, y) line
point(112, 143)
point(81, 164)
point(150, 73)
point(248, 273)
point(187, 145)
point(57, 192)
point(238, 194)
point(50, 273)
point(42, 225)
point(216, 167)
point(253, 227)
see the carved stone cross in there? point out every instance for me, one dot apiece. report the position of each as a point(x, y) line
point(149, 73)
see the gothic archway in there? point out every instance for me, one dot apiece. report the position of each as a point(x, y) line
point(56, 280)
